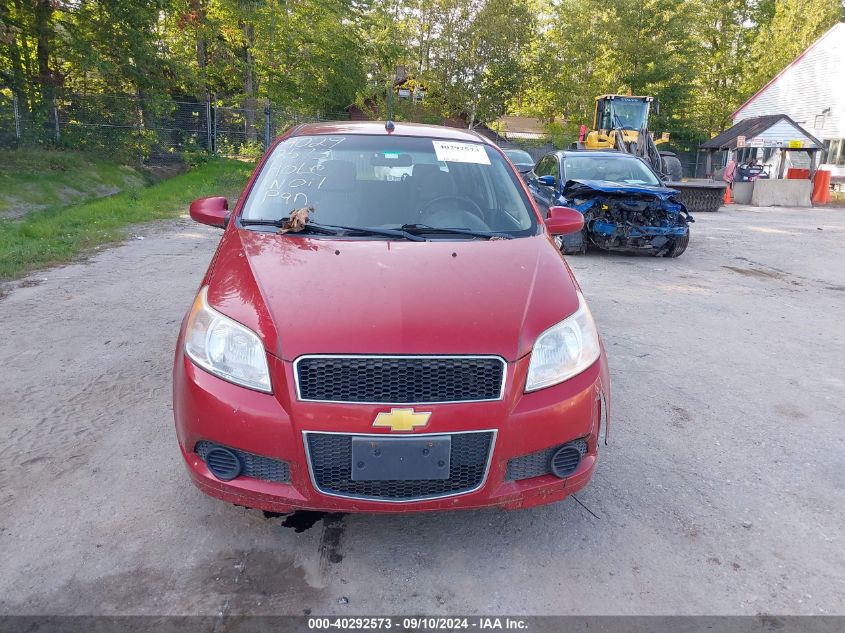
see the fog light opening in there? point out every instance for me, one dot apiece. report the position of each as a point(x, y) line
point(223, 463)
point(565, 461)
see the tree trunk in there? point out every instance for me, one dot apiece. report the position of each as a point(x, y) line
point(29, 83)
point(250, 103)
point(18, 80)
point(201, 45)
point(43, 37)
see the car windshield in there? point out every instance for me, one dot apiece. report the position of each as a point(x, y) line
point(622, 169)
point(390, 182)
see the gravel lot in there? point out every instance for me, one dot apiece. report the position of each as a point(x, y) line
point(722, 491)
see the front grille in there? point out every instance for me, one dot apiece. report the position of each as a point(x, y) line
point(400, 380)
point(254, 466)
point(330, 459)
point(539, 463)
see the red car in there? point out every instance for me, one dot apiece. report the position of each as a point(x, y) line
point(388, 326)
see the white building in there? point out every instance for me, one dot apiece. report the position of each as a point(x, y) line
point(811, 91)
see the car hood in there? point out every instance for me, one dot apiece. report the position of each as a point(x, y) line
point(310, 296)
point(579, 188)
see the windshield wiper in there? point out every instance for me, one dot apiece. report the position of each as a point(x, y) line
point(333, 229)
point(371, 230)
point(315, 228)
point(425, 228)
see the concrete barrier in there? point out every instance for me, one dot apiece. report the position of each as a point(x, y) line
point(782, 193)
point(741, 192)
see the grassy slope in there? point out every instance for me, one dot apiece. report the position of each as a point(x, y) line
point(34, 179)
point(54, 236)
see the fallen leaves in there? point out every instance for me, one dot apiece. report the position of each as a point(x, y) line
point(297, 220)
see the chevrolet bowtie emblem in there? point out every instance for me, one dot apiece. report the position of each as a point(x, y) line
point(401, 419)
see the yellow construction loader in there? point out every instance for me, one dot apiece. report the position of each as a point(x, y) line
point(620, 123)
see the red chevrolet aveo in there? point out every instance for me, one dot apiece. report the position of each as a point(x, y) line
point(388, 326)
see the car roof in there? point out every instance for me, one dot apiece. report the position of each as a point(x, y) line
point(378, 128)
point(594, 152)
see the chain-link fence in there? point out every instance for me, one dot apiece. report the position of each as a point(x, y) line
point(536, 148)
point(9, 124)
point(536, 151)
point(162, 129)
point(146, 130)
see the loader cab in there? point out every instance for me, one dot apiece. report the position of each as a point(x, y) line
point(619, 111)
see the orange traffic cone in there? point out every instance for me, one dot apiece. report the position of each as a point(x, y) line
point(821, 187)
point(728, 199)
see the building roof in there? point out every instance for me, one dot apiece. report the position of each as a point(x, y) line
point(838, 28)
point(773, 130)
point(521, 125)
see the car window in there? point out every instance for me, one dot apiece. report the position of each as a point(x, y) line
point(388, 181)
point(621, 169)
point(547, 166)
point(519, 157)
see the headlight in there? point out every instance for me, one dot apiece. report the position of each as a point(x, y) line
point(225, 348)
point(564, 350)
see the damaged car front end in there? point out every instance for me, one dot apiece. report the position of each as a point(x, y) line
point(628, 218)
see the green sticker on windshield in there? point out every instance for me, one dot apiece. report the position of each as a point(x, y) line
point(392, 155)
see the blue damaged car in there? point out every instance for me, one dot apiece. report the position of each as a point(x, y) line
point(625, 205)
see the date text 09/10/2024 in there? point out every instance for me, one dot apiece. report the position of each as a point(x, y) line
point(417, 623)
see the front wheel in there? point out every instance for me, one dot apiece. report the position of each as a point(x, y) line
point(573, 244)
point(678, 246)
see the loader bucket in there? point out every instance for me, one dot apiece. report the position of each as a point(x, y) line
point(700, 195)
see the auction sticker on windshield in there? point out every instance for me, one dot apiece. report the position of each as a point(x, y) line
point(451, 152)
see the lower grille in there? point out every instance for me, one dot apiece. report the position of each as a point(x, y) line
point(539, 463)
point(330, 459)
point(254, 466)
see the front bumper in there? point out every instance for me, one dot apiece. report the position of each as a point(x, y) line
point(276, 425)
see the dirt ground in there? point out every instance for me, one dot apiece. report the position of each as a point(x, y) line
point(722, 491)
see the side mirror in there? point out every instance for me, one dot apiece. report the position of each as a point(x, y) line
point(546, 181)
point(563, 221)
point(213, 211)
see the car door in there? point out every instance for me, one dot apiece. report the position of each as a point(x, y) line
point(544, 194)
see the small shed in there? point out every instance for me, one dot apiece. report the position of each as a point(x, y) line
point(771, 132)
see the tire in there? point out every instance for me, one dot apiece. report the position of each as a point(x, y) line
point(678, 246)
point(672, 167)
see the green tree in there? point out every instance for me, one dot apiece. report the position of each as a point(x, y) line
point(474, 58)
point(724, 33)
point(490, 68)
point(591, 47)
point(794, 25)
point(12, 73)
point(118, 47)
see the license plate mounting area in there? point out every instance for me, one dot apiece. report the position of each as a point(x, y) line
point(401, 458)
